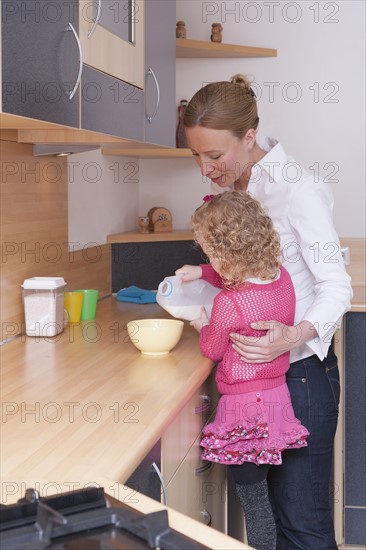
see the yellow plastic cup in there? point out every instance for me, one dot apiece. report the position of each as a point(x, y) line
point(73, 303)
point(90, 298)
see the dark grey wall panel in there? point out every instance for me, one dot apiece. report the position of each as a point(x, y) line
point(146, 264)
point(355, 526)
point(355, 428)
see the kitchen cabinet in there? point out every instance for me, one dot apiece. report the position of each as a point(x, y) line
point(199, 491)
point(54, 71)
point(194, 487)
point(160, 100)
point(146, 478)
point(86, 64)
point(173, 471)
point(355, 429)
point(41, 60)
point(111, 101)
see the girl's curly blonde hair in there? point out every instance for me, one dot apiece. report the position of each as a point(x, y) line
point(235, 231)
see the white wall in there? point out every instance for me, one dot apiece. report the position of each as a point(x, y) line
point(103, 197)
point(311, 97)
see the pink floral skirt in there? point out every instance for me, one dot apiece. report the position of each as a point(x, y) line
point(253, 427)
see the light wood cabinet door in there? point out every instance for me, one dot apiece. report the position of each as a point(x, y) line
point(198, 489)
point(102, 44)
point(183, 431)
point(194, 487)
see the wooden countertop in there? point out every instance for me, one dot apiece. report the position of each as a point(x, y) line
point(86, 404)
point(85, 407)
point(359, 298)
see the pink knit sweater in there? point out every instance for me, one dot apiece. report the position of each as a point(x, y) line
point(233, 311)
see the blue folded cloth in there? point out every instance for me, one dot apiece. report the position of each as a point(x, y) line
point(136, 295)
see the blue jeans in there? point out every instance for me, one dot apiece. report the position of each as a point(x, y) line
point(300, 488)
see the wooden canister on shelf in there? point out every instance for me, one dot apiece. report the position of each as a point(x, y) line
point(180, 137)
point(181, 31)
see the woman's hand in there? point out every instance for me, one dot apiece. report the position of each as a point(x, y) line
point(201, 321)
point(278, 340)
point(189, 272)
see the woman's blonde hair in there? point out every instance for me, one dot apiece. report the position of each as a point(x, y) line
point(236, 232)
point(226, 105)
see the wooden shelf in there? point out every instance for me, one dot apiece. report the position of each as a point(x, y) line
point(201, 49)
point(164, 152)
point(137, 237)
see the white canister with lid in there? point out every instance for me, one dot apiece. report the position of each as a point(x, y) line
point(184, 300)
point(43, 299)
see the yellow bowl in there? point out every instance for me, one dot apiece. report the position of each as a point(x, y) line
point(155, 336)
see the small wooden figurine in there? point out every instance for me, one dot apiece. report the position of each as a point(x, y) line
point(216, 32)
point(181, 31)
point(143, 222)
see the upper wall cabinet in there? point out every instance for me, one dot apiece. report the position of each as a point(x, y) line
point(98, 65)
point(160, 101)
point(78, 63)
point(41, 60)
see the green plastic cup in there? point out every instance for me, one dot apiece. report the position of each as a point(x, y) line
point(90, 298)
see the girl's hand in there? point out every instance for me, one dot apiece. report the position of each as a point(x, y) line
point(189, 272)
point(278, 340)
point(201, 321)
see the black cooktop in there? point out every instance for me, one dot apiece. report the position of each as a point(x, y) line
point(85, 520)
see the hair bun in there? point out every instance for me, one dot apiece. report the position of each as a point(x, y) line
point(244, 82)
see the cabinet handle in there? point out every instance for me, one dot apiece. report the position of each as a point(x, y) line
point(133, 21)
point(159, 474)
point(73, 91)
point(206, 405)
point(151, 72)
point(204, 468)
point(206, 515)
point(96, 20)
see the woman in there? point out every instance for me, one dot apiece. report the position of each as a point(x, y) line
point(220, 123)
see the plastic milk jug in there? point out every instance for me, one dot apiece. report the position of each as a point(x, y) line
point(185, 299)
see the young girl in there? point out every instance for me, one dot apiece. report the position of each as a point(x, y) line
point(254, 421)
